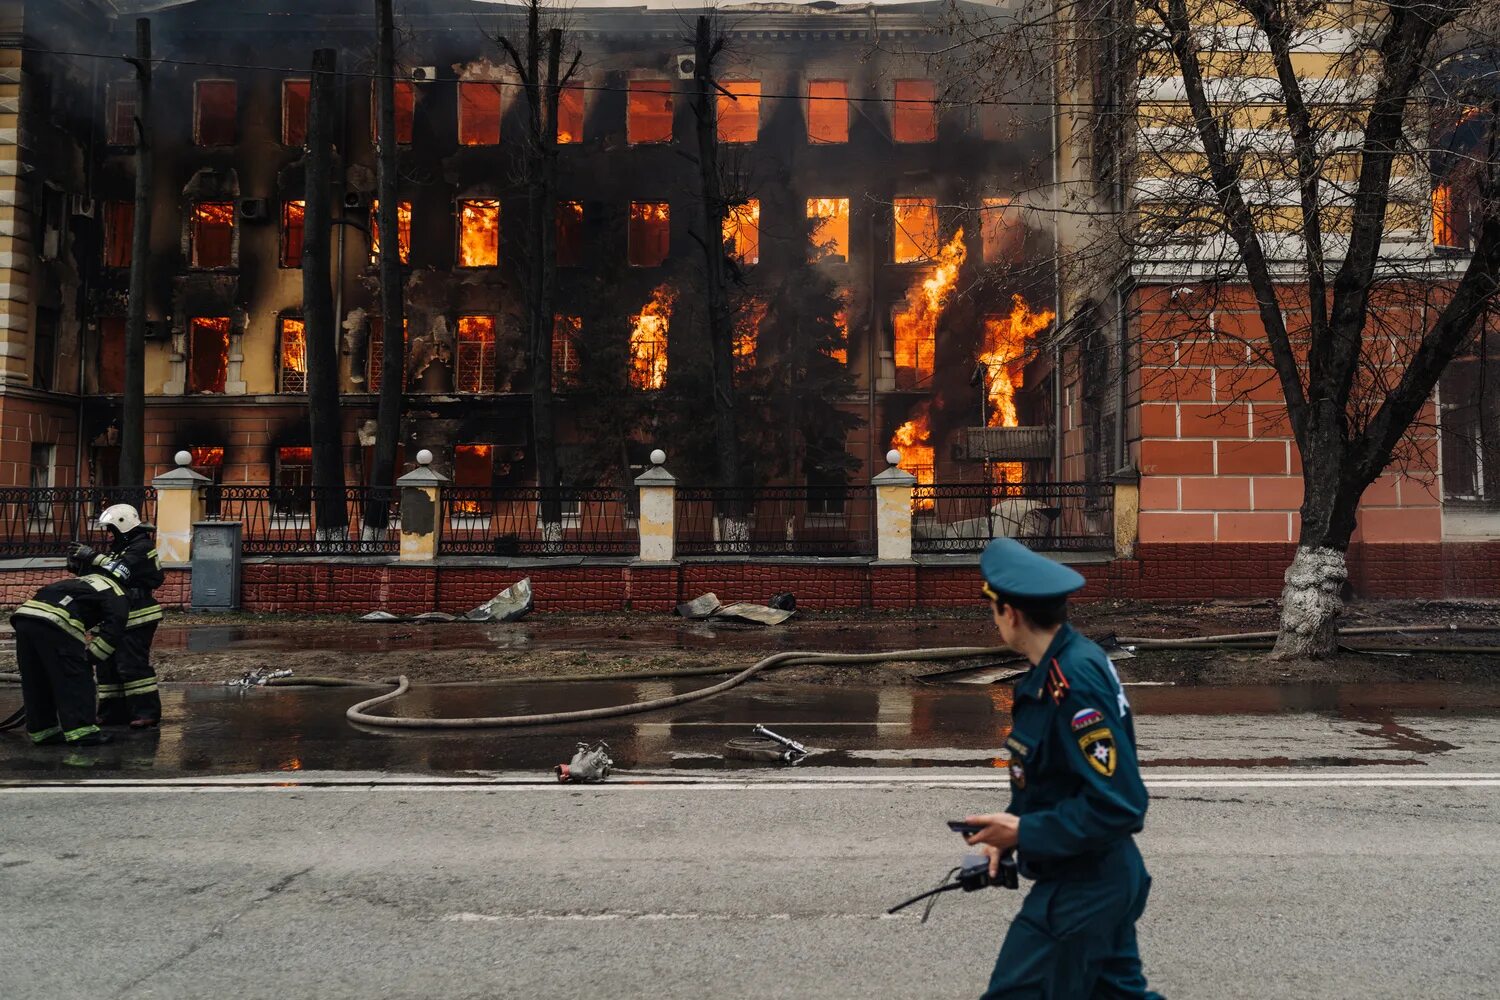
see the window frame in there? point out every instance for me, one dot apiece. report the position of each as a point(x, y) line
point(286, 123)
point(494, 87)
point(458, 233)
point(632, 227)
point(813, 140)
point(234, 125)
point(281, 370)
point(650, 86)
point(912, 106)
point(190, 355)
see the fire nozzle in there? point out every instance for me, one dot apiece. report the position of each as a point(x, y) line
point(794, 751)
point(589, 763)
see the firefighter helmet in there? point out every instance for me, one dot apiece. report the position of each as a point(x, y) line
point(121, 516)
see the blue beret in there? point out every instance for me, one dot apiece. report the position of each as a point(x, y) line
point(1011, 568)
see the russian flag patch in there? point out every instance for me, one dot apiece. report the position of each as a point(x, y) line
point(1087, 717)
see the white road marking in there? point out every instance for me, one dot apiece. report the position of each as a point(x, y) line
point(539, 916)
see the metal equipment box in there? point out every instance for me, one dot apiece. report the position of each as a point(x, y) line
point(216, 565)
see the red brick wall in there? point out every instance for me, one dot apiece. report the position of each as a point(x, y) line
point(24, 422)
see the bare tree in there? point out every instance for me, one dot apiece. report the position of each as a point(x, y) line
point(542, 86)
point(1283, 147)
point(133, 429)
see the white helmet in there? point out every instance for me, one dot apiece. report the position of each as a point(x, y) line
point(122, 517)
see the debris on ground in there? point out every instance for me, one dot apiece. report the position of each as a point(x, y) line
point(589, 763)
point(507, 606)
point(258, 677)
point(708, 608)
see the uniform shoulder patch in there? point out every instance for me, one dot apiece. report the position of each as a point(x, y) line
point(1098, 746)
point(1020, 749)
point(1057, 683)
point(1086, 717)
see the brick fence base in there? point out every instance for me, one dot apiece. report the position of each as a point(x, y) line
point(1158, 572)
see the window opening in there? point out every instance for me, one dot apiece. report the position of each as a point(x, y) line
point(649, 233)
point(296, 95)
point(569, 234)
point(830, 230)
point(403, 231)
point(915, 118)
point(742, 232)
point(570, 108)
point(916, 230)
point(213, 234)
point(119, 232)
point(476, 354)
point(208, 354)
point(293, 352)
point(111, 354)
point(739, 111)
point(648, 340)
point(121, 109)
point(566, 364)
point(648, 116)
point(479, 233)
point(293, 219)
point(406, 108)
point(479, 113)
point(828, 111)
point(215, 109)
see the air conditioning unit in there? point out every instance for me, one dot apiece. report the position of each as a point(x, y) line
point(159, 329)
point(424, 74)
point(355, 199)
point(687, 66)
point(80, 205)
point(254, 210)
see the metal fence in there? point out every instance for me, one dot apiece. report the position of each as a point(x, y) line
point(1059, 517)
point(42, 521)
point(507, 521)
point(296, 520)
point(776, 520)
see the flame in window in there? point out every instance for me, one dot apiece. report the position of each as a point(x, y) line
point(213, 233)
point(208, 354)
point(206, 457)
point(830, 232)
point(841, 322)
point(827, 111)
point(739, 111)
point(476, 354)
point(742, 232)
point(403, 231)
point(479, 233)
point(472, 466)
point(566, 363)
point(916, 325)
point(570, 114)
point(648, 340)
point(649, 233)
point(914, 440)
point(299, 455)
point(916, 230)
point(747, 334)
point(293, 355)
point(1006, 339)
point(648, 115)
point(1444, 227)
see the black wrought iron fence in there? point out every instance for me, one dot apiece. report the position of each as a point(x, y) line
point(1067, 517)
point(517, 521)
point(42, 521)
point(776, 520)
point(304, 520)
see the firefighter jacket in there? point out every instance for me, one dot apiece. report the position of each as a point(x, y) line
point(136, 550)
point(94, 602)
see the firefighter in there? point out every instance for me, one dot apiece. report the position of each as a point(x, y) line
point(56, 656)
point(127, 684)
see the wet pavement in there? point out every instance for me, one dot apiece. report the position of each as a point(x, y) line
point(218, 730)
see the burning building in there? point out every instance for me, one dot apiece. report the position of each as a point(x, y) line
point(850, 160)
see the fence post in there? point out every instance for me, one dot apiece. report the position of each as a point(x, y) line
point(893, 511)
point(421, 510)
point(1127, 511)
point(658, 507)
point(179, 503)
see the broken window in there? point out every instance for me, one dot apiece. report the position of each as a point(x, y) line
point(915, 118)
point(739, 111)
point(121, 110)
point(648, 340)
point(566, 363)
point(570, 105)
point(403, 231)
point(293, 494)
point(292, 369)
point(208, 353)
point(742, 232)
point(212, 234)
point(293, 216)
point(827, 492)
point(830, 229)
point(112, 354)
point(375, 352)
point(44, 347)
point(648, 115)
point(215, 108)
point(479, 233)
point(827, 111)
point(569, 233)
point(295, 97)
point(473, 467)
point(650, 233)
point(916, 230)
point(119, 232)
point(1451, 225)
point(476, 354)
point(406, 106)
point(999, 231)
point(916, 347)
point(479, 113)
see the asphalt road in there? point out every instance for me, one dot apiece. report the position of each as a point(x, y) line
point(1297, 883)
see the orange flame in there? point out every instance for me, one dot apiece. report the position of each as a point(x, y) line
point(403, 230)
point(747, 334)
point(914, 440)
point(293, 355)
point(1005, 342)
point(830, 232)
point(479, 233)
point(1444, 232)
point(648, 340)
point(841, 323)
point(742, 232)
point(916, 326)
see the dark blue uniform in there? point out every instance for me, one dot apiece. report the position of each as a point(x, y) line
point(1076, 786)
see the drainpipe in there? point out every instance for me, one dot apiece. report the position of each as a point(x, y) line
point(872, 340)
point(338, 287)
point(1057, 298)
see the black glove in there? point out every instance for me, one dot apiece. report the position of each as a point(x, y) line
point(80, 560)
point(81, 551)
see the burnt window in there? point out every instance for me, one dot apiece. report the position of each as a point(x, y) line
point(827, 493)
point(375, 352)
point(119, 232)
point(479, 233)
point(999, 230)
point(648, 115)
point(292, 355)
point(915, 118)
point(567, 332)
point(569, 233)
point(215, 109)
point(648, 341)
point(474, 467)
point(121, 106)
point(293, 219)
point(212, 234)
point(293, 495)
point(830, 229)
point(403, 231)
point(44, 346)
point(650, 233)
point(747, 335)
point(295, 96)
point(839, 349)
point(208, 354)
point(476, 354)
point(1452, 225)
point(1468, 424)
point(406, 108)
point(915, 230)
point(739, 111)
point(742, 232)
point(479, 113)
point(570, 107)
point(111, 369)
point(827, 111)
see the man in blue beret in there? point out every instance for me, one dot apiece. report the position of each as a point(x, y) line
point(1076, 801)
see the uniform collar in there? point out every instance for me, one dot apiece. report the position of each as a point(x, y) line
point(1034, 682)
